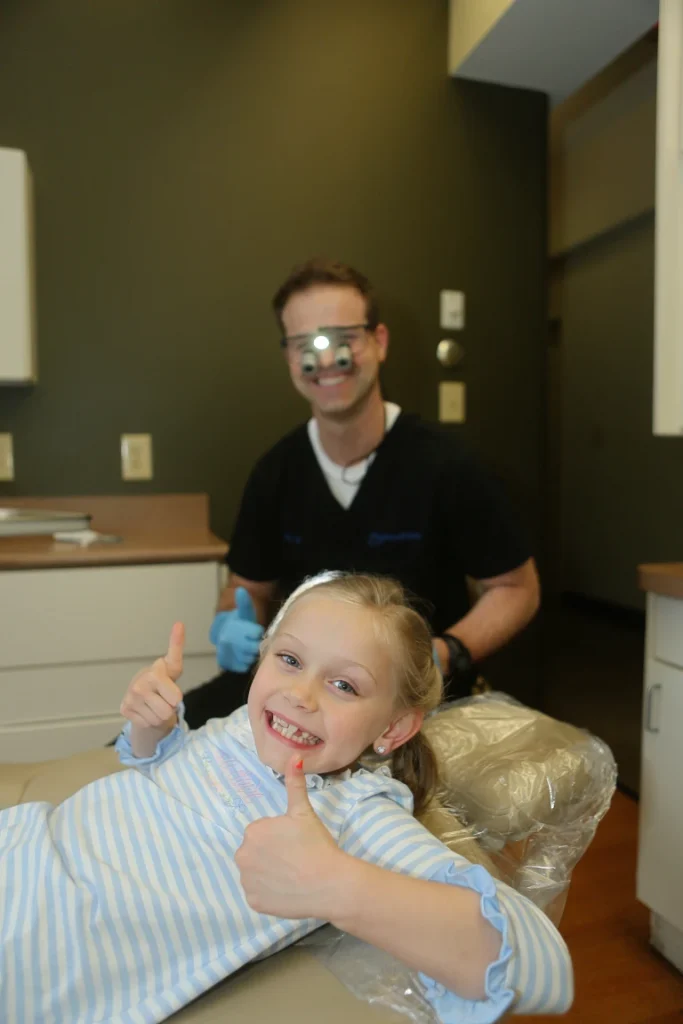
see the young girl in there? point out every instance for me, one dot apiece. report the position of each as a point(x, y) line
point(148, 887)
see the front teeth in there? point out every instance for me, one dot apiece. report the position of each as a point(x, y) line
point(330, 382)
point(289, 731)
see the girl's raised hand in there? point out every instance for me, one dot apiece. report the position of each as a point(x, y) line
point(151, 699)
point(290, 865)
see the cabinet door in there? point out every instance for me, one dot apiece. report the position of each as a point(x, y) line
point(51, 693)
point(668, 341)
point(73, 616)
point(17, 319)
point(660, 855)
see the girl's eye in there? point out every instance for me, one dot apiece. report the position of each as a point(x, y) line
point(344, 687)
point(289, 659)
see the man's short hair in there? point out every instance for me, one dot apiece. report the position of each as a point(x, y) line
point(323, 271)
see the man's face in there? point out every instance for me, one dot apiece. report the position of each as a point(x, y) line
point(330, 390)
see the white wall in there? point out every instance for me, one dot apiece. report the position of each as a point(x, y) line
point(551, 46)
point(470, 21)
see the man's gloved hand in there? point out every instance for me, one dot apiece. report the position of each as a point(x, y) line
point(236, 634)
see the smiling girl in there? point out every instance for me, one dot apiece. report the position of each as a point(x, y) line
point(231, 842)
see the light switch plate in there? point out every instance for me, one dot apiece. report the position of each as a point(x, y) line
point(452, 310)
point(6, 457)
point(136, 456)
point(452, 401)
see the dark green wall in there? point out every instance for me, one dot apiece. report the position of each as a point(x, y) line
point(185, 154)
point(622, 487)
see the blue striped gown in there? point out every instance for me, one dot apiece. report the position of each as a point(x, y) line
point(123, 903)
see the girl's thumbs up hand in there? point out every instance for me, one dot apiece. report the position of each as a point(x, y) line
point(298, 804)
point(151, 700)
point(289, 865)
point(153, 695)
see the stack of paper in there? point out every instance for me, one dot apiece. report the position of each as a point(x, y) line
point(15, 522)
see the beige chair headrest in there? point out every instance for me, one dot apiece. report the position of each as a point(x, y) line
point(509, 770)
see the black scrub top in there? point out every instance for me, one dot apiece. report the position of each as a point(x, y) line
point(425, 513)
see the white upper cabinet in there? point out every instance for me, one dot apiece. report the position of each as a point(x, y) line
point(668, 355)
point(17, 292)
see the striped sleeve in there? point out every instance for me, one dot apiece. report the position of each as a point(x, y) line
point(166, 748)
point(533, 971)
point(540, 969)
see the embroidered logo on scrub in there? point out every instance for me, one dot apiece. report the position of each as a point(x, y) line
point(376, 540)
point(231, 782)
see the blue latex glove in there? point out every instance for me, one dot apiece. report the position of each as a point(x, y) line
point(236, 634)
point(437, 659)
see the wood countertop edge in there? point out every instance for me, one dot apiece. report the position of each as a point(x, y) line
point(665, 578)
point(151, 553)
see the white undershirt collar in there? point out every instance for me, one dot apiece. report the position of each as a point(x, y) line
point(344, 481)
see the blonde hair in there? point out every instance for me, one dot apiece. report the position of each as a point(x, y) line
point(418, 680)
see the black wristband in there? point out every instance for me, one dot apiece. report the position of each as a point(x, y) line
point(460, 664)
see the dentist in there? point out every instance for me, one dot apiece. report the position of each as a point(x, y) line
point(364, 486)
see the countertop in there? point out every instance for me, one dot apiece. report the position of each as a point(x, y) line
point(153, 529)
point(664, 578)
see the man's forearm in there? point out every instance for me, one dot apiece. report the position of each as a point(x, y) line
point(507, 605)
point(498, 615)
point(226, 599)
point(431, 927)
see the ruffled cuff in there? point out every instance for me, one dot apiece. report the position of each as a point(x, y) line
point(449, 1007)
point(170, 744)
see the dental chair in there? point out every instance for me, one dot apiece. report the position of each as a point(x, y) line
point(521, 793)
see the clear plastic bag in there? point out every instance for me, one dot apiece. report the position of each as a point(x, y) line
point(520, 793)
point(527, 790)
point(370, 974)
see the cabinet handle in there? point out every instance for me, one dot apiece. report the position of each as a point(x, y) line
point(648, 708)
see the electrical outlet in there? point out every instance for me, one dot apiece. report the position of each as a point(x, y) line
point(452, 400)
point(6, 457)
point(452, 310)
point(136, 456)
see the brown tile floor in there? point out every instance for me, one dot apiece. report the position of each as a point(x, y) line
point(593, 676)
point(618, 977)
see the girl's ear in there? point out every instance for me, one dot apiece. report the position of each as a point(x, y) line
point(401, 729)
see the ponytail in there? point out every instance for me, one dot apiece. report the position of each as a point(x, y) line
point(414, 764)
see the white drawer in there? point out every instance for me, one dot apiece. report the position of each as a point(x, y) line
point(67, 616)
point(44, 694)
point(666, 617)
point(660, 832)
point(45, 742)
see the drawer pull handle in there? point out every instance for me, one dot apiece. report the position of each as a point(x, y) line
point(648, 710)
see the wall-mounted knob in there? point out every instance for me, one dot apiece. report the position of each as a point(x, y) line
point(449, 352)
